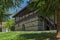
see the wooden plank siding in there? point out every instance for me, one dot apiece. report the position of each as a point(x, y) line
point(30, 21)
point(26, 20)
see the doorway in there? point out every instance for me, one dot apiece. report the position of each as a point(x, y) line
point(47, 28)
point(23, 27)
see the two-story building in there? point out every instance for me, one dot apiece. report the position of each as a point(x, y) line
point(26, 20)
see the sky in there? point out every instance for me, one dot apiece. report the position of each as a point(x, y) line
point(12, 11)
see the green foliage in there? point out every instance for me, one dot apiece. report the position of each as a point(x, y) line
point(9, 23)
point(5, 5)
point(4, 17)
point(44, 7)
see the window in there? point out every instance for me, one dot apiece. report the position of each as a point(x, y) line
point(17, 18)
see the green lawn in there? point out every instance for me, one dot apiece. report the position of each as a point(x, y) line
point(28, 35)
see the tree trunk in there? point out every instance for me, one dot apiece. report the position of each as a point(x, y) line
point(58, 23)
point(0, 26)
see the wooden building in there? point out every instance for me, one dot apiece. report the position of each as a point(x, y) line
point(26, 20)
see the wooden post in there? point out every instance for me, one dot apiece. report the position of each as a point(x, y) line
point(58, 23)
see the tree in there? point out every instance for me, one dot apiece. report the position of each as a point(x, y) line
point(5, 5)
point(42, 8)
point(47, 8)
point(9, 24)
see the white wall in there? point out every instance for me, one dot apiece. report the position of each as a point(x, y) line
point(5, 30)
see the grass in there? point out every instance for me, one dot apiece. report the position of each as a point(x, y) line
point(28, 35)
point(7, 36)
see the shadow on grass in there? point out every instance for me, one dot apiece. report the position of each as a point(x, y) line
point(37, 36)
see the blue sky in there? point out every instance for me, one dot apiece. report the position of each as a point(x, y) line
point(12, 11)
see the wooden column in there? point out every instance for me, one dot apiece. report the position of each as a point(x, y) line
point(58, 23)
